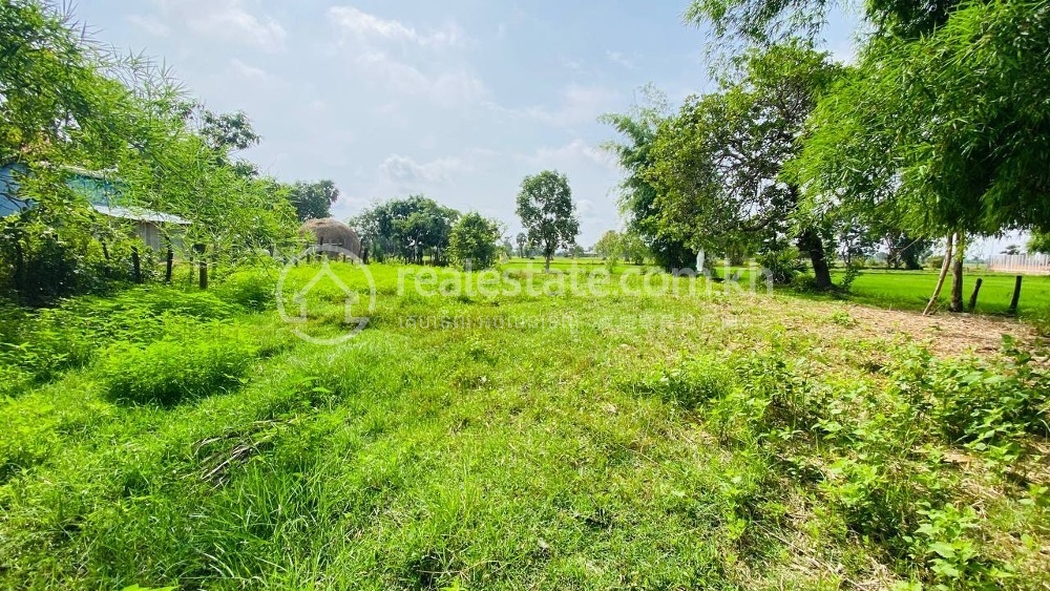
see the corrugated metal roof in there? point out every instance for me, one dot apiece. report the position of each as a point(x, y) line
point(140, 214)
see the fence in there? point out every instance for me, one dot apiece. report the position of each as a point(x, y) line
point(1021, 264)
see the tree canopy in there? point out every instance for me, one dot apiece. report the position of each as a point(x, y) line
point(472, 242)
point(548, 213)
point(409, 228)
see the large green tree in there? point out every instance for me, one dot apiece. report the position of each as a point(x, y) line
point(68, 104)
point(941, 126)
point(547, 213)
point(718, 164)
point(947, 133)
point(638, 128)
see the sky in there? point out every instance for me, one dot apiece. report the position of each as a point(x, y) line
point(457, 100)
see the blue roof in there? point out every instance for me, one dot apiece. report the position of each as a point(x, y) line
point(99, 190)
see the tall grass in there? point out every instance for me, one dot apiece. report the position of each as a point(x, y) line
point(657, 442)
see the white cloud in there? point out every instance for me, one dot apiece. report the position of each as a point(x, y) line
point(574, 65)
point(447, 89)
point(150, 24)
point(574, 153)
point(403, 171)
point(250, 72)
point(228, 20)
point(367, 26)
point(372, 43)
point(580, 104)
point(618, 58)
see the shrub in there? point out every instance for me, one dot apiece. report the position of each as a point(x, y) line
point(169, 371)
point(252, 290)
point(781, 266)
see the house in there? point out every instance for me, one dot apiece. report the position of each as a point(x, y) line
point(103, 194)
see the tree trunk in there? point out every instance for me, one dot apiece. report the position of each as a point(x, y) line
point(940, 280)
point(810, 243)
point(547, 264)
point(136, 265)
point(957, 274)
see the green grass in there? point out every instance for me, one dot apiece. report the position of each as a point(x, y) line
point(910, 290)
point(555, 441)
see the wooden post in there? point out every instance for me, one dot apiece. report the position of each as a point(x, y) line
point(136, 265)
point(203, 262)
point(973, 296)
point(168, 264)
point(1017, 294)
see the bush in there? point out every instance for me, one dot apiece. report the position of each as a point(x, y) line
point(252, 290)
point(167, 372)
point(935, 262)
point(781, 266)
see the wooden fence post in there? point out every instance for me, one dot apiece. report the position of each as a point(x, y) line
point(1017, 294)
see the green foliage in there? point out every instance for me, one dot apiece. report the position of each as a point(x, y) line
point(253, 290)
point(906, 122)
point(781, 265)
point(313, 200)
point(1039, 243)
point(988, 407)
point(473, 241)
point(408, 228)
point(774, 447)
point(609, 246)
point(547, 212)
point(170, 371)
point(637, 193)
point(717, 165)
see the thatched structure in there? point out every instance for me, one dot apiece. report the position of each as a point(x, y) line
point(330, 231)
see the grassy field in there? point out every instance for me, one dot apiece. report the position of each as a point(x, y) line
point(894, 289)
point(475, 437)
point(910, 290)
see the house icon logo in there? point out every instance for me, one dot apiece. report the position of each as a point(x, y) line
point(293, 301)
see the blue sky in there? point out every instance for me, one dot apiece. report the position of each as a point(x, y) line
point(458, 100)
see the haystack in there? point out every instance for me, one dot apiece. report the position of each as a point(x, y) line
point(330, 231)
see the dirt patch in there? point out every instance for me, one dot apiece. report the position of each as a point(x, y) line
point(944, 334)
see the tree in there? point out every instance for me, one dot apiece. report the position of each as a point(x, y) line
point(522, 241)
point(941, 126)
point(637, 194)
point(547, 212)
point(944, 132)
point(1012, 250)
point(633, 248)
point(905, 250)
point(610, 245)
point(473, 241)
point(1039, 242)
point(718, 164)
point(313, 200)
point(410, 228)
point(855, 241)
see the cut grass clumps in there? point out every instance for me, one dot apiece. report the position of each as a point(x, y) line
point(167, 372)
